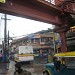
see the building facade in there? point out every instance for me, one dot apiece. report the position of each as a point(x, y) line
point(42, 42)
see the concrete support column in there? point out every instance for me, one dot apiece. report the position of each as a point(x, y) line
point(63, 45)
point(40, 51)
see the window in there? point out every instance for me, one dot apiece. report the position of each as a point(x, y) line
point(42, 39)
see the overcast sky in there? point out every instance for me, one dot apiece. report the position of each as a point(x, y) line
point(18, 26)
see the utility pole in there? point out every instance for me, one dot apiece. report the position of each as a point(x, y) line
point(5, 38)
point(8, 43)
point(5, 34)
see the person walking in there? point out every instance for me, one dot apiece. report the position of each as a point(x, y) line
point(57, 63)
point(0, 57)
point(20, 71)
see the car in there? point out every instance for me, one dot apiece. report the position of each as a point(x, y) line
point(66, 67)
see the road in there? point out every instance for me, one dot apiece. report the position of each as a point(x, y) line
point(35, 69)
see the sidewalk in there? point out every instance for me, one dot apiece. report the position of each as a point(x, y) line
point(3, 68)
point(11, 68)
point(7, 68)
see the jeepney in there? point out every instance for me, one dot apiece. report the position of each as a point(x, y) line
point(67, 65)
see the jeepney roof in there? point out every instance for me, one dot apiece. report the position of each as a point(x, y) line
point(65, 54)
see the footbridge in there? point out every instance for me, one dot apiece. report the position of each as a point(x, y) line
point(57, 12)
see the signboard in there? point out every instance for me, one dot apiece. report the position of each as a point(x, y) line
point(2, 1)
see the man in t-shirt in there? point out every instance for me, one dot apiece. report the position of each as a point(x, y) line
point(20, 71)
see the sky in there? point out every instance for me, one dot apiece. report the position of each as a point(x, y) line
point(19, 26)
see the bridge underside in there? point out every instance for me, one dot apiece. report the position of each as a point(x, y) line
point(32, 9)
point(38, 10)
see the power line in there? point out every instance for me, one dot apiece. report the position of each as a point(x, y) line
point(10, 31)
point(15, 36)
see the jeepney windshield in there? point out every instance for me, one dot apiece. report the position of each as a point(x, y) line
point(67, 58)
point(70, 62)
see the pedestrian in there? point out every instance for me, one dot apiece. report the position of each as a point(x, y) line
point(20, 71)
point(0, 57)
point(57, 63)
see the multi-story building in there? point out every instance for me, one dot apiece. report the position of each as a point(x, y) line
point(42, 42)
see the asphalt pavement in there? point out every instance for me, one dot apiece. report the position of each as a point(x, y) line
point(11, 67)
point(3, 68)
point(7, 68)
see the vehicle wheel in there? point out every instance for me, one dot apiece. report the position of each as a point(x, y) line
point(45, 73)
